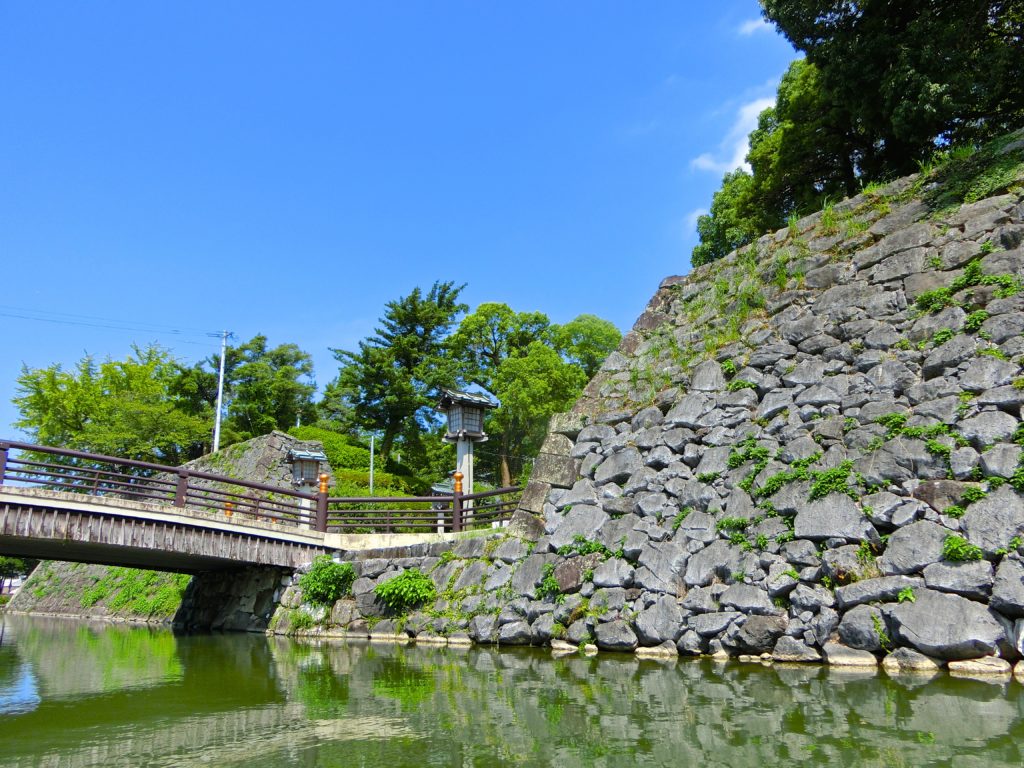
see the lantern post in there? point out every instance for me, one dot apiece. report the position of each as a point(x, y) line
point(465, 412)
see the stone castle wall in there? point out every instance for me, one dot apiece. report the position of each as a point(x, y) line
point(785, 456)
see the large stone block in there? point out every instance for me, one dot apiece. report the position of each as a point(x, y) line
point(947, 626)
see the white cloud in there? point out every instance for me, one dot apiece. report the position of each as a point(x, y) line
point(752, 26)
point(732, 151)
point(691, 220)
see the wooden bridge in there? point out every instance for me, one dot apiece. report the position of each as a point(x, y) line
point(61, 504)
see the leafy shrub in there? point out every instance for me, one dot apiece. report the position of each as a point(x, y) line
point(975, 320)
point(733, 524)
point(327, 581)
point(548, 587)
point(581, 545)
point(957, 549)
point(972, 495)
point(409, 589)
point(340, 452)
point(737, 384)
point(942, 336)
point(832, 481)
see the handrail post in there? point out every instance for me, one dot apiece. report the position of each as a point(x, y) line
point(4, 447)
point(321, 505)
point(457, 504)
point(181, 489)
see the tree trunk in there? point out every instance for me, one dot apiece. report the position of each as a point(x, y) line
point(506, 475)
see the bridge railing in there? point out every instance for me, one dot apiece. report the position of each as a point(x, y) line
point(60, 469)
point(39, 466)
point(418, 514)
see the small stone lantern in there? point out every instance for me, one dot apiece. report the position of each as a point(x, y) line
point(465, 412)
point(305, 467)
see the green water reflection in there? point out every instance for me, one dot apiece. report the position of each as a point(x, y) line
point(84, 695)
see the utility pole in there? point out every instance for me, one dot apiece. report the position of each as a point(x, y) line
point(372, 437)
point(220, 389)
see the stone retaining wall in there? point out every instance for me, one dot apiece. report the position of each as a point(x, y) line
point(808, 451)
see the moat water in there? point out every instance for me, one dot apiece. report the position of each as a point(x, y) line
point(77, 694)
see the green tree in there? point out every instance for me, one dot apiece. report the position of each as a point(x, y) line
point(913, 73)
point(484, 341)
point(801, 152)
point(883, 86)
point(532, 387)
point(492, 334)
point(729, 224)
point(389, 384)
point(265, 386)
point(264, 389)
point(586, 341)
point(125, 408)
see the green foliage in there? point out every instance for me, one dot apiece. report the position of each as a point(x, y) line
point(534, 368)
point(737, 384)
point(340, 451)
point(586, 341)
point(933, 301)
point(993, 352)
point(1016, 480)
point(942, 336)
point(548, 587)
point(906, 595)
point(798, 471)
point(136, 592)
point(729, 368)
point(973, 494)
point(409, 589)
point(299, 620)
point(865, 553)
point(733, 524)
point(531, 388)
point(680, 517)
point(833, 480)
point(732, 221)
point(883, 88)
point(127, 408)
point(326, 581)
point(581, 545)
point(883, 636)
point(893, 422)
point(747, 450)
point(389, 383)
point(12, 566)
point(909, 74)
point(708, 477)
point(957, 549)
point(975, 320)
point(954, 511)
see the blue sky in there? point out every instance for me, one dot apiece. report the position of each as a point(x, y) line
point(176, 169)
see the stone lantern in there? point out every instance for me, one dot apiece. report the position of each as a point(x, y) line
point(305, 467)
point(465, 412)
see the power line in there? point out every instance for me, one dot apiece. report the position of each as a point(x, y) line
point(91, 321)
